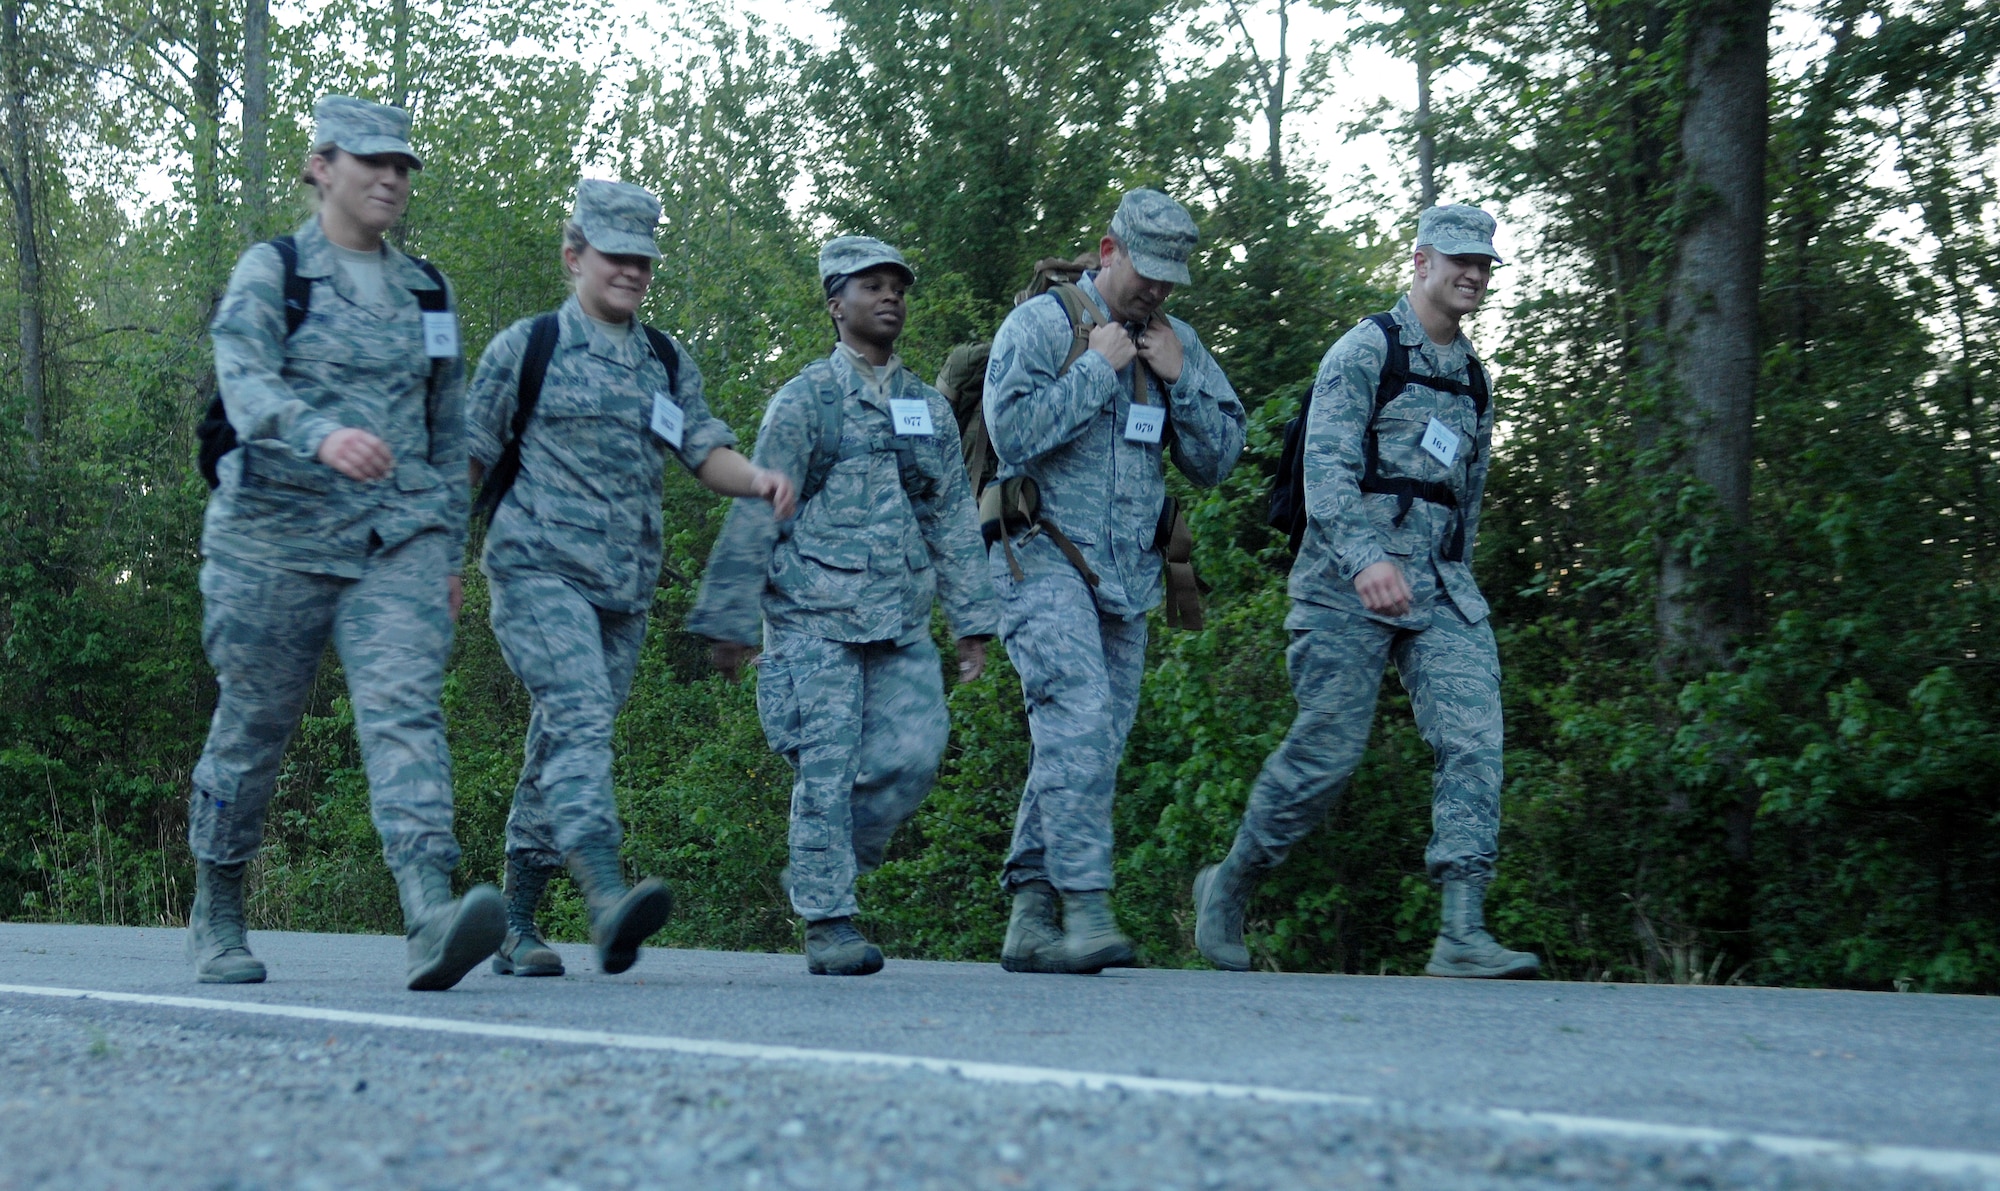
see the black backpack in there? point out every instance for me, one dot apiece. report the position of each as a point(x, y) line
point(528, 393)
point(1288, 486)
point(214, 436)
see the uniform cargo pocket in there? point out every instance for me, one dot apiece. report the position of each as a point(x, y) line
point(1382, 509)
point(412, 476)
point(819, 574)
point(583, 514)
point(778, 707)
point(273, 465)
point(843, 498)
point(568, 400)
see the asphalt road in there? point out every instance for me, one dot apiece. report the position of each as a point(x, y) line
point(720, 1069)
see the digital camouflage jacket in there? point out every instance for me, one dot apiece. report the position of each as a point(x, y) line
point(586, 504)
point(1349, 530)
point(1067, 433)
point(348, 364)
point(886, 533)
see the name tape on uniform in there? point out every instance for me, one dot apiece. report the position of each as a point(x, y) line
point(440, 334)
point(1441, 441)
point(668, 420)
point(912, 416)
point(1145, 423)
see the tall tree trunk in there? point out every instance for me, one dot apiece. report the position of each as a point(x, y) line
point(206, 93)
point(399, 86)
point(256, 164)
point(1704, 602)
point(27, 253)
point(1274, 99)
point(1426, 142)
point(1712, 313)
point(209, 219)
point(399, 80)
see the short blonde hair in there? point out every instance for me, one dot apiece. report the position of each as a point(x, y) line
point(572, 238)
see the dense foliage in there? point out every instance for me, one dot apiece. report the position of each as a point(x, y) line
point(1819, 808)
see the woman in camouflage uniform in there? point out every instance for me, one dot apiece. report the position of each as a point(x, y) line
point(850, 690)
point(336, 518)
point(573, 554)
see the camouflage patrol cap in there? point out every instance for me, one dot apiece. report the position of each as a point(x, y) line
point(845, 256)
point(362, 128)
point(1458, 231)
point(617, 218)
point(1157, 233)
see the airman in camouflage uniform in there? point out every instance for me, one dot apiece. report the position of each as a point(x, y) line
point(1079, 642)
point(849, 688)
point(573, 558)
point(341, 517)
point(1385, 574)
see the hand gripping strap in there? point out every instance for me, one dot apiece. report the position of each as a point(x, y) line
point(1183, 587)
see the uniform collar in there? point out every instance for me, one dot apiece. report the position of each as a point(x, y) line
point(317, 260)
point(846, 360)
point(578, 330)
point(1088, 284)
point(1414, 335)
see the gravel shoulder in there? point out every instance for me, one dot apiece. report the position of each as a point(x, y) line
point(111, 1094)
point(101, 1096)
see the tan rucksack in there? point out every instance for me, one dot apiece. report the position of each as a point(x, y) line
point(963, 378)
point(1015, 505)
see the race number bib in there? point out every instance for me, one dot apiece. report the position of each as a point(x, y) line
point(668, 420)
point(1441, 442)
point(912, 416)
point(1145, 423)
point(440, 334)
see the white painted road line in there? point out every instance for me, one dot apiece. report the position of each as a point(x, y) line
point(1908, 1159)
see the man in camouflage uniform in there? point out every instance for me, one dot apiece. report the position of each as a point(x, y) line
point(340, 516)
point(850, 689)
point(1077, 633)
point(1385, 574)
point(573, 558)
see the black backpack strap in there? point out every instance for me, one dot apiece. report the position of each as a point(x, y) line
point(215, 436)
point(297, 290)
point(1395, 370)
point(1396, 376)
point(663, 351)
point(434, 301)
point(431, 301)
point(542, 334)
point(534, 370)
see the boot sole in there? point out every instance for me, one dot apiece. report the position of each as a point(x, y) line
point(476, 932)
point(869, 965)
point(248, 976)
point(1517, 972)
point(1117, 955)
point(647, 909)
point(502, 966)
point(1203, 881)
point(1029, 963)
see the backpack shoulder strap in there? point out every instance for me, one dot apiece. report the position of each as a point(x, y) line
point(663, 351)
point(1482, 390)
point(826, 444)
point(297, 289)
point(527, 393)
point(1082, 317)
point(432, 300)
point(534, 370)
point(1396, 369)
